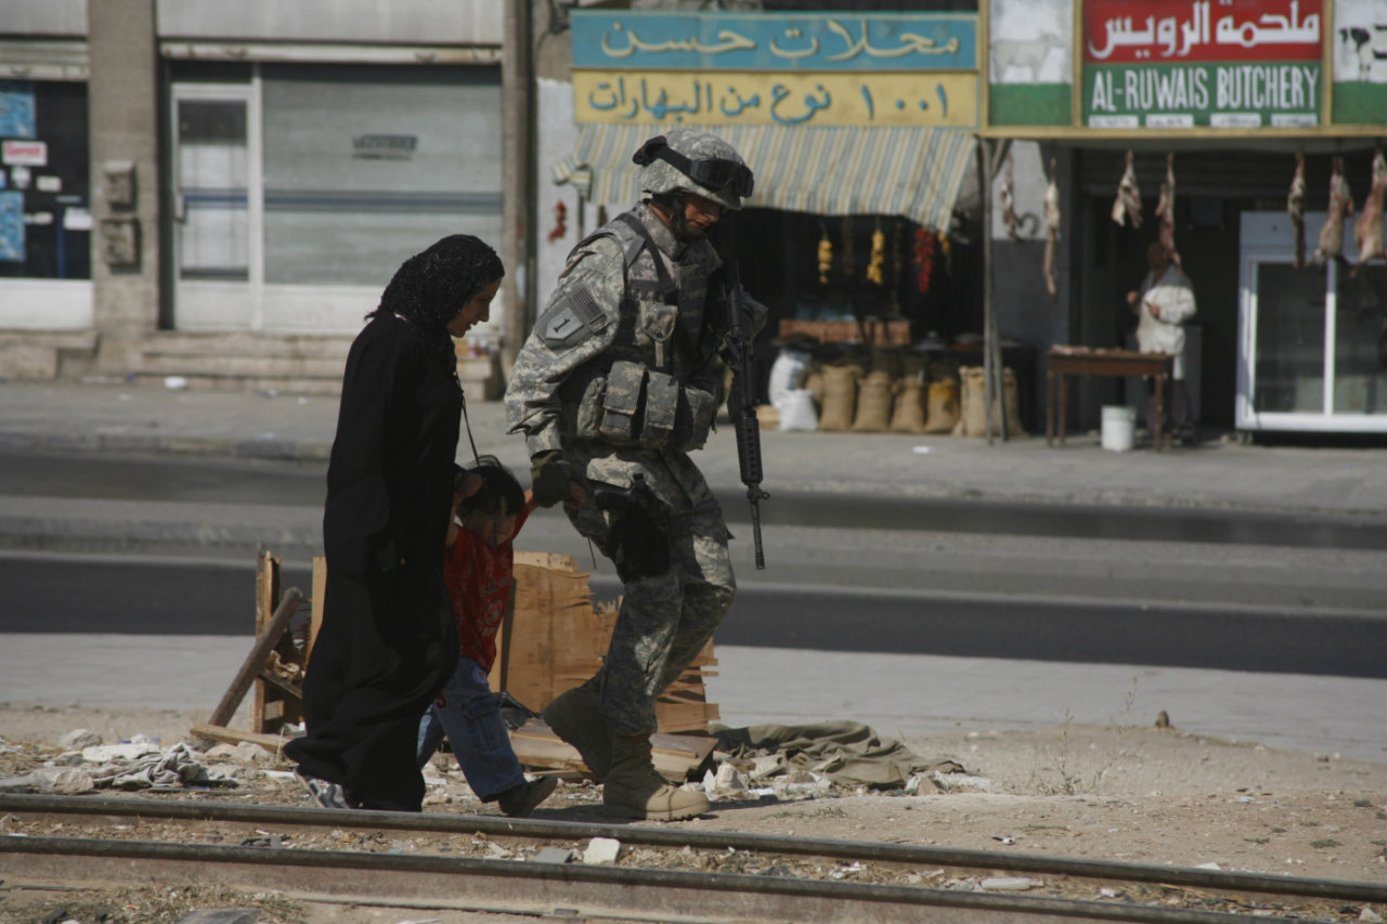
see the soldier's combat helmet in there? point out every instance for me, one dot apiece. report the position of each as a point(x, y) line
point(691, 161)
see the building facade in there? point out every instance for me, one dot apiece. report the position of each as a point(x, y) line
point(221, 191)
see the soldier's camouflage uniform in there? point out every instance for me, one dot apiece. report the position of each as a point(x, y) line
point(621, 374)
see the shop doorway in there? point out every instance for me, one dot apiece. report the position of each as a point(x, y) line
point(217, 258)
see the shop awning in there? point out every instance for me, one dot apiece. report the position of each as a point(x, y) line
point(915, 172)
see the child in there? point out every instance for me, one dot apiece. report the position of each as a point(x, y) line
point(489, 509)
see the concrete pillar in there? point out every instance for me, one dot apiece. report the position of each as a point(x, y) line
point(517, 181)
point(123, 119)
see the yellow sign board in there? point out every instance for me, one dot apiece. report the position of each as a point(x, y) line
point(759, 98)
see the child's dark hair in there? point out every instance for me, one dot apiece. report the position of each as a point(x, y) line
point(499, 487)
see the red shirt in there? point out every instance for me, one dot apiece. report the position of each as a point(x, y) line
point(479, 580)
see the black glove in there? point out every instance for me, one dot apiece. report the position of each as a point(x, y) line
point(549, 477)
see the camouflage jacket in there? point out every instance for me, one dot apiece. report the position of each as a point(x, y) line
point(621, 354)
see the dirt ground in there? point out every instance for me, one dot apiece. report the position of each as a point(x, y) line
point(1141, 794)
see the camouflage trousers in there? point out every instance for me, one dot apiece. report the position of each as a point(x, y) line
point(665, 618)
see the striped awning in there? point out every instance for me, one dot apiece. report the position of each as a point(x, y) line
point(827, 170)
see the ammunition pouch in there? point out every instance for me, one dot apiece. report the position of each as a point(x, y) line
point(633, 405)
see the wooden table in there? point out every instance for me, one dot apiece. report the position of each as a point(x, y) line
point(1061, 363)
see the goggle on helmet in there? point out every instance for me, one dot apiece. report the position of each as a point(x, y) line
point(723, 179)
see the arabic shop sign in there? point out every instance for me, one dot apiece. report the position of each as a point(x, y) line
point(1202, 63)
point(779, 99)
point(759, 42)
point(1118, 31)
point(753, 69)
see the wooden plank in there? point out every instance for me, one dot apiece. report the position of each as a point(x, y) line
point(271, 743)
point(279, 683)
point(266, 595)
point(556, 560)
point(255, 662)
point(556, 639)
point(315, 619)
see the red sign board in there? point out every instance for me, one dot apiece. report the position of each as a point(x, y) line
point(1179, 31)
point(24, 153)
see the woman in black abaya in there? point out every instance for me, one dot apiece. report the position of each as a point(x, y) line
point(388, 640)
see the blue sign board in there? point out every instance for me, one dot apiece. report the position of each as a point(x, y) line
point(652, 41)
point(12, 227)
point(17, 118)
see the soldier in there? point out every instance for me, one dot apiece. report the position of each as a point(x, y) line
point(619, 380)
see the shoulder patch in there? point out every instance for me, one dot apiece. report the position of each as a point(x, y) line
point(572, 320)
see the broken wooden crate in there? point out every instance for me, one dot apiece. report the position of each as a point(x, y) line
point(554, 638)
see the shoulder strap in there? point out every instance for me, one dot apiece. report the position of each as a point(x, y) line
point(664, 283)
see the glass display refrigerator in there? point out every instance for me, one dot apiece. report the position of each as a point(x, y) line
point(1312, 342)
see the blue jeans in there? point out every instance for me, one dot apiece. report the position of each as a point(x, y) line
point(470, 715)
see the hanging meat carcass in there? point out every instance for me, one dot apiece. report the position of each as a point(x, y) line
point(1340, 205)
point(1165, 211)
point(1367, 232)
point(1052, 231)
point(1127, 205)
point(1007, 199)
point(1295, 207)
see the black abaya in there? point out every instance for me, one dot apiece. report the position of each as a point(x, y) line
point(388, 640)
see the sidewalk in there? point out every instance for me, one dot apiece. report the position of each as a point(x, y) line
point(65, 417)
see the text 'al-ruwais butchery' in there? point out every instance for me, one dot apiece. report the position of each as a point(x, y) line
point(1206, 87)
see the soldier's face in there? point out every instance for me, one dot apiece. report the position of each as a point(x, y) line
point(476, 310)
point(700, 214)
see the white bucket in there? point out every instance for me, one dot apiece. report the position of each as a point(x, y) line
point(1119, 426)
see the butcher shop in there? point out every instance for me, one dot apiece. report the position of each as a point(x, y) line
point(1245, 141)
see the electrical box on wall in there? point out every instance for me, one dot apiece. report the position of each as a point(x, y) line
point(120, 239)
point(118, 182)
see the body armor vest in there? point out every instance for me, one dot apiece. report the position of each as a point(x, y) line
point(638, 391)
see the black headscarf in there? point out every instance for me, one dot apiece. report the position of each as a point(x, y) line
point(431, 287)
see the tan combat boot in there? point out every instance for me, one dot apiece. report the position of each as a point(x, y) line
point(576, 717)
point(632, 788)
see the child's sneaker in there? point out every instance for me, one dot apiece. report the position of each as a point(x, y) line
point(328, 795)
point(520, 801)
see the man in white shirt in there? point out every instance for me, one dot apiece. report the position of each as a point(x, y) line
point(1162, 306)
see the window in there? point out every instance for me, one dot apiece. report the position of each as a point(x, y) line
point(1360, 341)
point(45, 212)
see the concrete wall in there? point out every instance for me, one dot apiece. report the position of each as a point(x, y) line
point(123, 118)
point(43, 18)
point(427, 22)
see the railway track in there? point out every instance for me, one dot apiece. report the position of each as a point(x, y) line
point(668, 874)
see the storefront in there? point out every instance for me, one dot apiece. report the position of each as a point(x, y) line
point(1222, 98)
point(297, 189)
point(219, 192)
point(45, 207)
point(859, 127)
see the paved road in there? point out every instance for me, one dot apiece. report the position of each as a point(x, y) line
point(1074, 572)
point(165, 596)
point(228, 508)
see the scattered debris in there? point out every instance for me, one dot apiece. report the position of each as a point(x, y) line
point(79, 738)
point(105, 753)
point(602, 850)
point(1008, 884)
point(552, 855)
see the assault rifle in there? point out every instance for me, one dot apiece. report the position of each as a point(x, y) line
point(741, 403)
